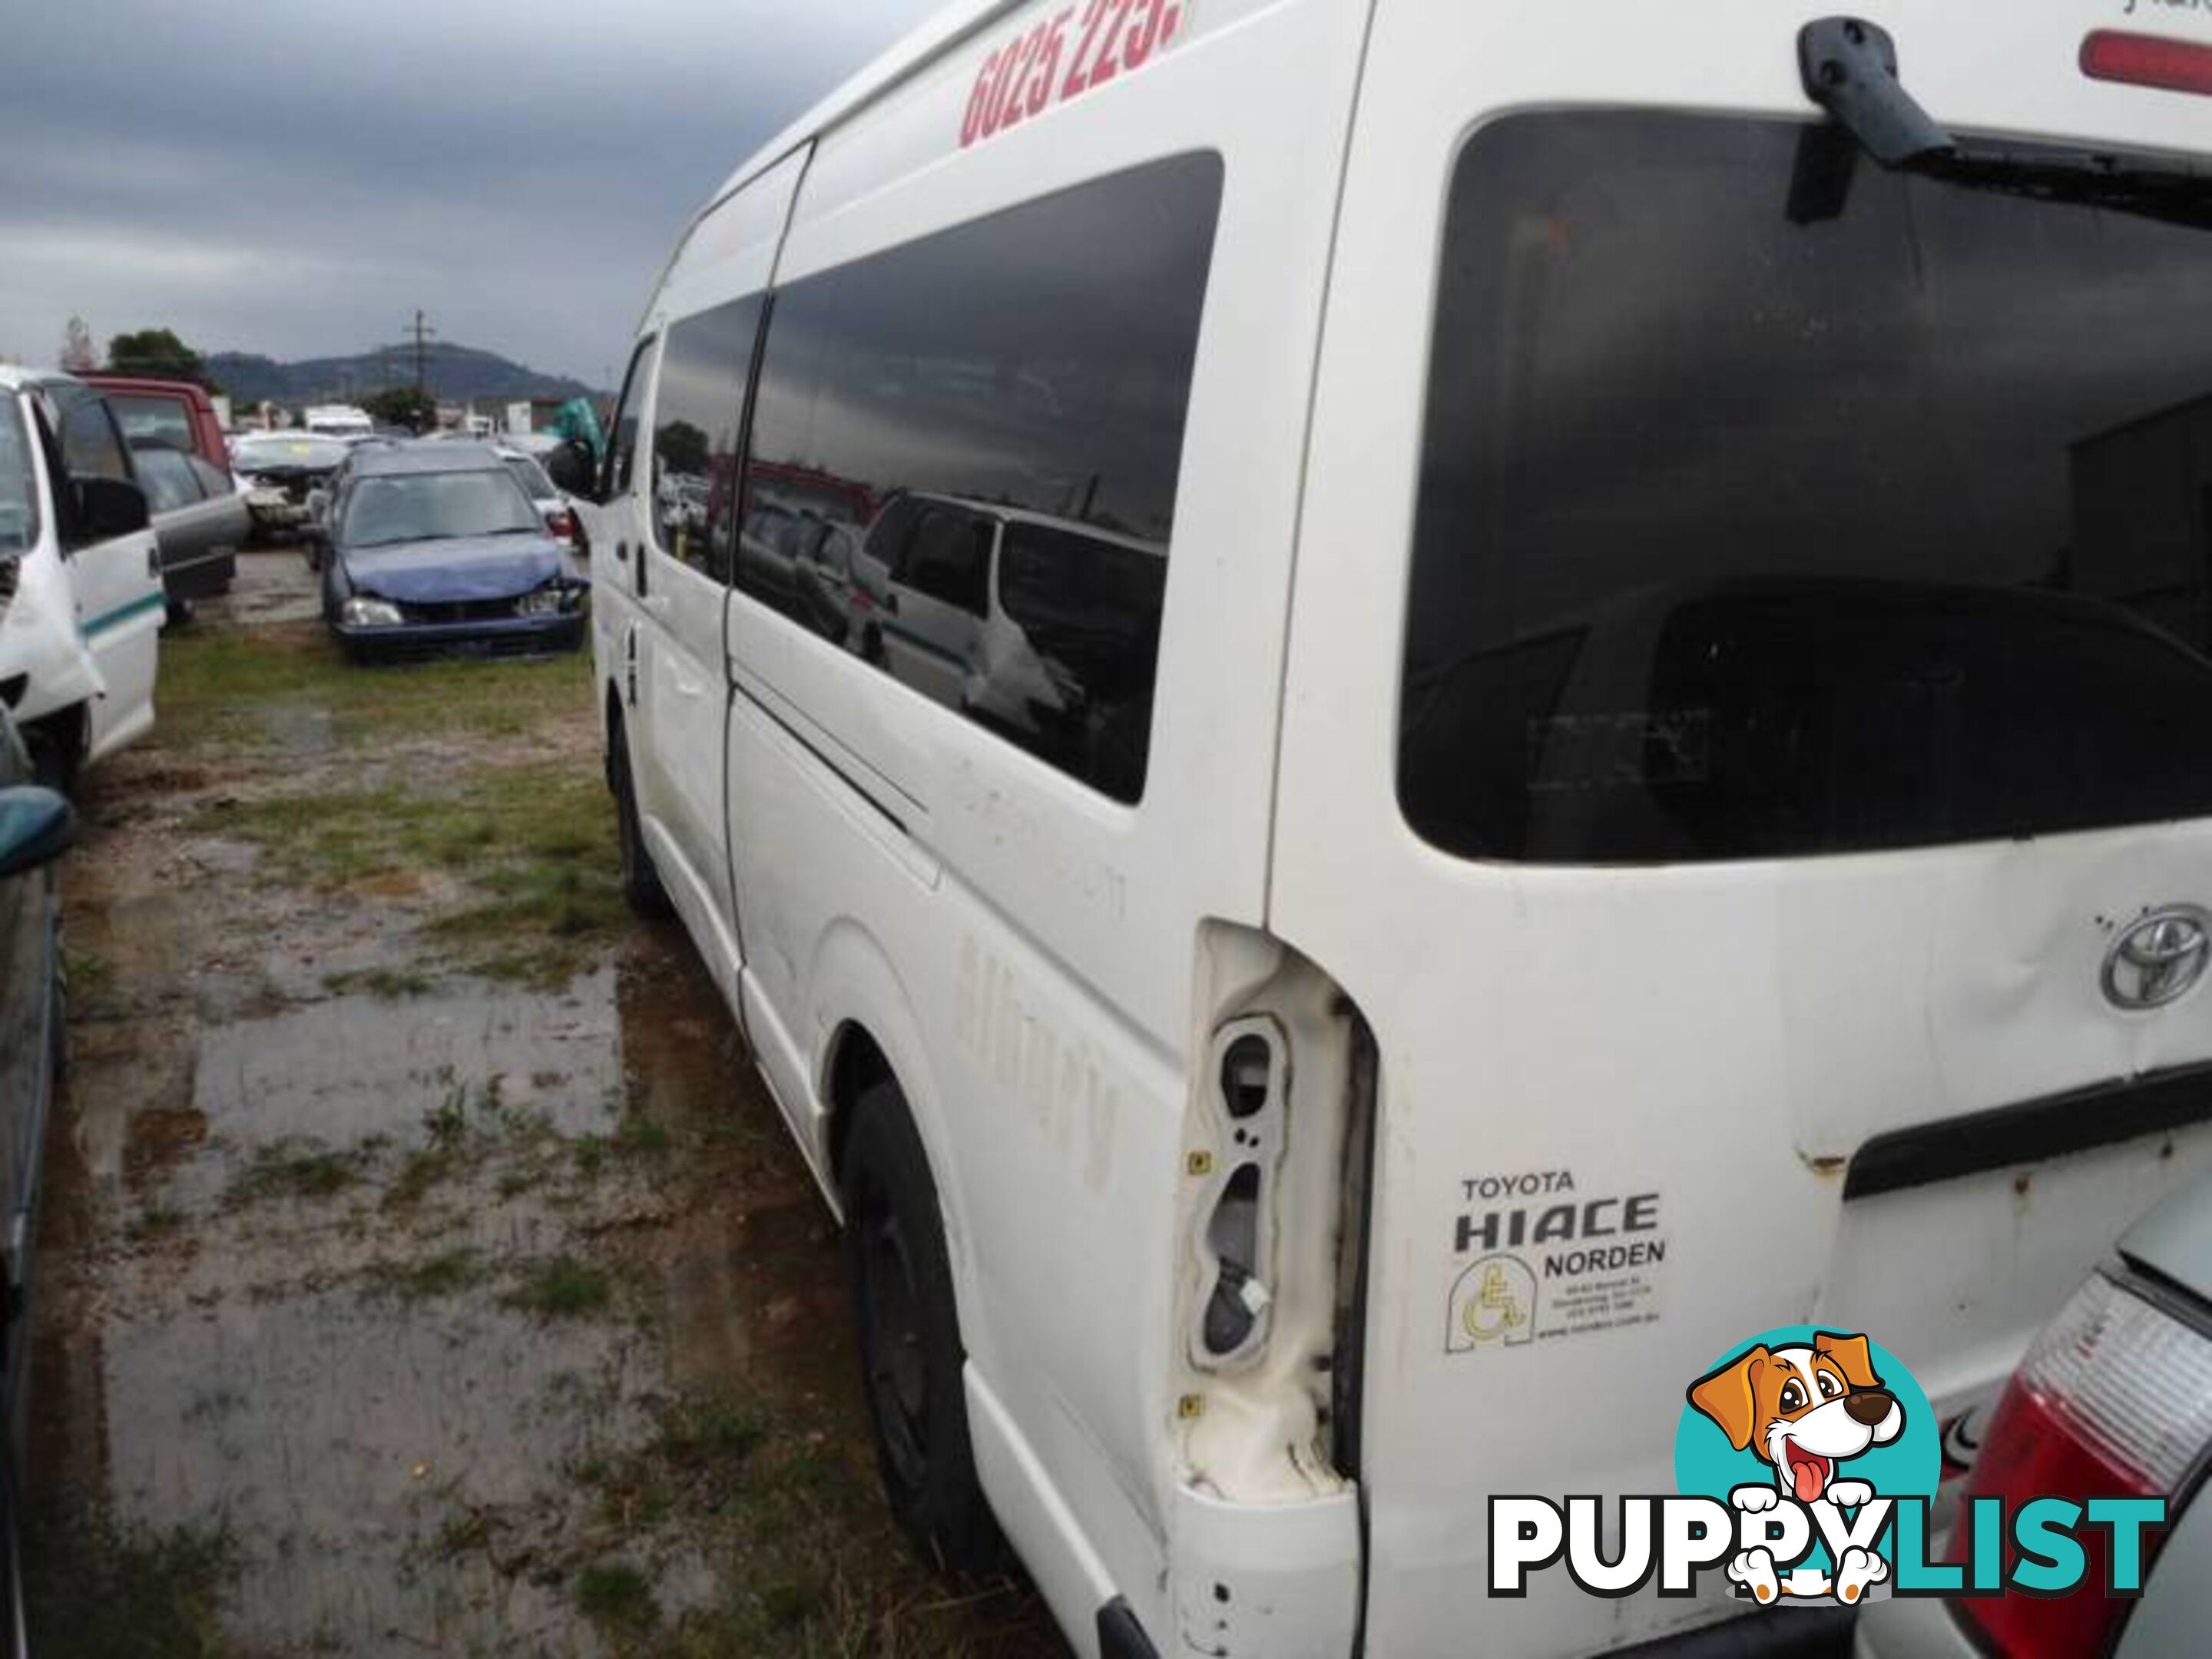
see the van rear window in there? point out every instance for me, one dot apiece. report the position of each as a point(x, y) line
point(1738, 537)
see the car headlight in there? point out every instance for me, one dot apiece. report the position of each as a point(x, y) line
point(360, 612)
point(556, 598)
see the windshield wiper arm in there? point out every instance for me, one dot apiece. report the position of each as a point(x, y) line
point(1849, 67)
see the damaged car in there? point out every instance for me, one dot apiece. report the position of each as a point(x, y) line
point(80, 599)
point(436, 546)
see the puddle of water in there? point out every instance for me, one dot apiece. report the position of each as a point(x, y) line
point(335, 1440)
point(255, 1370)
point(351, 1067)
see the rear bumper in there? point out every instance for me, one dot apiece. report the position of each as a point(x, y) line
point(1796, 1633)
point(1912, 1628)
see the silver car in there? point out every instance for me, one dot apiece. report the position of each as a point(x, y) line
point(2113, 1400)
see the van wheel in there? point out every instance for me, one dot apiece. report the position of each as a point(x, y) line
point(640, 882)
point(901, 1279)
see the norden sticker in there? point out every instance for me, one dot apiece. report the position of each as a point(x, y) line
point(1540, 1259)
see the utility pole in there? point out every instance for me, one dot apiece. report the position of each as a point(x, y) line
point(423, 334)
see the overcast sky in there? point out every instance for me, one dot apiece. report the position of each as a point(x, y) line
point(294, 177)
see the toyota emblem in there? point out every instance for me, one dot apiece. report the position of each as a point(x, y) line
point(2158, 958)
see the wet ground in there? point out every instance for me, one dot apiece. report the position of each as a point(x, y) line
point(424, 1270)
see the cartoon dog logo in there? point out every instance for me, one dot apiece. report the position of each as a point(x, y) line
point(1805, 1408)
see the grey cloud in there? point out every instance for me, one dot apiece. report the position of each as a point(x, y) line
point(278, 176)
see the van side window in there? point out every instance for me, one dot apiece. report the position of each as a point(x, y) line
point(622, 440)
point(1031, 370)
point(697, 415)
point(949, 558)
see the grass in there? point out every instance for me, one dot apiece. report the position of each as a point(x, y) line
point(616, 1594)
point(448, 1273)
point(393, 984)
point(562, 1287)
point(640, 1136)
point(95, 1591)
point(530, 844)
point(88, 975)
point(238, 686)
point(633, 1137)
point(156, 1220)
point(294, 1168)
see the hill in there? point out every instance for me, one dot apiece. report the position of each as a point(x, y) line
point(454, 374)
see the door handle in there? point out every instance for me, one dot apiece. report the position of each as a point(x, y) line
point(622, 552)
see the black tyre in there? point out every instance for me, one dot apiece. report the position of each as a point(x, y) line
point(640, 882)
point(910, 1353)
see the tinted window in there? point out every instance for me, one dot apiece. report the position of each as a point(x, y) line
point(164, 420)
point(1033, 366)
point(89, 446)
point(697, 411)
point(1738, 538)
point(622, 439)
point(214, 481)
point(19, 490)
point(948, 557)
point(166, 480)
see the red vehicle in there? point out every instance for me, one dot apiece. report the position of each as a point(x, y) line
point(177, 447)
point(174, 413)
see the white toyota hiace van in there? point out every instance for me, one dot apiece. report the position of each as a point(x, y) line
point(1604, 742)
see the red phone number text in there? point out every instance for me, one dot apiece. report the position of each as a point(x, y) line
point(1023, 77)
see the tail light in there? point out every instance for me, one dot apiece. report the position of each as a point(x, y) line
point(2148, 60)
point(563, 522)
point(2113, 1401)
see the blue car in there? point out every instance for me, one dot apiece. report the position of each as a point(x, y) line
point(435, 546)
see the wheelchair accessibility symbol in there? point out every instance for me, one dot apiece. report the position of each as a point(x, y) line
point(1493, 1305)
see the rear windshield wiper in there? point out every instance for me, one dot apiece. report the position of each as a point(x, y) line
point(1849, 67)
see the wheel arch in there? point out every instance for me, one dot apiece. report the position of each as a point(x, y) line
point(870, 1033)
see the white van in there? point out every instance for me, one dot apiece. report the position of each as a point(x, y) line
point(1673, 668)
point(81, 604)
point(339, 420)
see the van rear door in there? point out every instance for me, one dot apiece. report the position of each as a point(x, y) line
point(1749, 673)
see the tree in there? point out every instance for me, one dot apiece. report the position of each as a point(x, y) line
point(681, 446)
point(160, 353)
point(401, 405)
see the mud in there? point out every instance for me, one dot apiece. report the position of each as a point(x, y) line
point(464, 1315)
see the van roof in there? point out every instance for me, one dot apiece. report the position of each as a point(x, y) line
point(919, 47)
